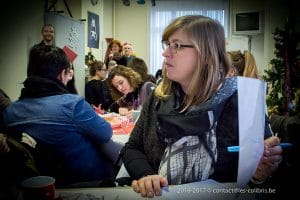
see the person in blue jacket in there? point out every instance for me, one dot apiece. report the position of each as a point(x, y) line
point(64, 125)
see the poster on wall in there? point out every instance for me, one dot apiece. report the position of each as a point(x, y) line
point(93, 30)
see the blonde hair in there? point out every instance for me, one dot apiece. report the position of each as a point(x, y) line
point(244, 64)
point(250, 69)
point(207, 37)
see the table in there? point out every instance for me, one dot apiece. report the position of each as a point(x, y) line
point(208, 189)
point(122, 128)
point(121, 139)
point(120, 124)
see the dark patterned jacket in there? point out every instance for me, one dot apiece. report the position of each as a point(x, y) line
point(143, 152)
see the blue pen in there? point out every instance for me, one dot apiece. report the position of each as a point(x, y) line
point(237, 148)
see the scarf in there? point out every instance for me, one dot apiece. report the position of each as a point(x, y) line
point(191, 136)
point(36, 87)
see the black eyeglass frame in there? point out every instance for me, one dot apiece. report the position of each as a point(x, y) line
point(177, 46)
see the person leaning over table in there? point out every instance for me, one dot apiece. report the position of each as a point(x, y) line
point(128, 90)
point(63, 123)
point(193, 111)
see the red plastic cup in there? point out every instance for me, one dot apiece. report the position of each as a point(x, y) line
point(38, 187)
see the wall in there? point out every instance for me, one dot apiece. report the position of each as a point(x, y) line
point(22, 24)
point(20, 29)
point(70, 33)
point(132, 25)
point(257, 44)
point(97, 9)
point(132, 22)
point(262, 45)
point(63, 35)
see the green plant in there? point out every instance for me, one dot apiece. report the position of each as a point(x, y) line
point(281, 76)
point(89, 58)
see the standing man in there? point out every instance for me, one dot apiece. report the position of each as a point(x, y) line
point(47, 35)
point(47, 40)
point(128, 52)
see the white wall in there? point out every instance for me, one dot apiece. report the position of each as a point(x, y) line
point(97, 9)
point(70, 33)
point(21, 25)
point(262, 45)
point(132, 25)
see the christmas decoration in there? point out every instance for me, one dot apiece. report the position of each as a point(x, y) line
point(282, 77)
point(89, 58)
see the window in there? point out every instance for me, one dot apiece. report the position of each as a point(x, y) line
point(165, 11)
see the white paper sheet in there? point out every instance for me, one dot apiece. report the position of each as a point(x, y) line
point(251, 111)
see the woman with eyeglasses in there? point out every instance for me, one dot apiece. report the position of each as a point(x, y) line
point(187, 124)
point(96, 89)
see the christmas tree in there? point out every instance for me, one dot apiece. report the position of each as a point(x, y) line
point(282, 77)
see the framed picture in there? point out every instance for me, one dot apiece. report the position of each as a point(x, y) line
point(93, 30)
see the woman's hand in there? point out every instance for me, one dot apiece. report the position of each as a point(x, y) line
point(129, 116)
point(99, 110)
point(270, 160)
point(149, 186)
point(123, 111)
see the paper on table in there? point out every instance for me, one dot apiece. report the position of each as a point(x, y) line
point(251, 111)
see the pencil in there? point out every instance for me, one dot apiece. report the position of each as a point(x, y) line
point(237, 148)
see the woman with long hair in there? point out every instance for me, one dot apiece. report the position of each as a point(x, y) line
point(188, 122)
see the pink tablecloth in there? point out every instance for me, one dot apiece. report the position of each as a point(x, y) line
point(120, 124)
point(120, 130)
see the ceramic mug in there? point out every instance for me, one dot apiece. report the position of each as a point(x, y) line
point(38, 187)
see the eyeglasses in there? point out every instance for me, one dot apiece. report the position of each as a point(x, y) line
point(174, 47)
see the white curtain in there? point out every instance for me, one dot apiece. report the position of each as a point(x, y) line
point(167, 10)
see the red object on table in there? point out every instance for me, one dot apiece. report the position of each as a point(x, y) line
point(120, 130)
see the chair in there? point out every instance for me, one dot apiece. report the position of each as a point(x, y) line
point(31, 157)
point(17, 164)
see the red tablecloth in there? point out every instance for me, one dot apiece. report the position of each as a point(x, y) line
point(120, 124)
point(119, 130)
